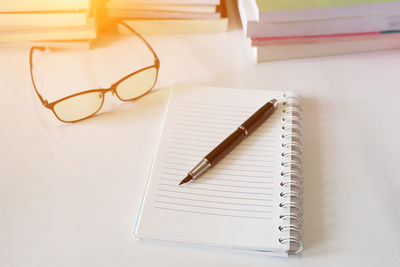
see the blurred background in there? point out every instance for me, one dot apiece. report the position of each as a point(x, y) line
point(275, 29)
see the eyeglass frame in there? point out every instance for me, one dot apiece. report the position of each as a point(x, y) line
point(111, 89)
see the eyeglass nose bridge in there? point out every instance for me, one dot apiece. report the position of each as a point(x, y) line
point(112, 89)
point(106, 90)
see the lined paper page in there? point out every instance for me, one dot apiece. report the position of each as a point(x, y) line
point(235, 201)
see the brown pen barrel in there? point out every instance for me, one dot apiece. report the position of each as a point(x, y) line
point(249, 126)
point(225, 147)
point(252, 123)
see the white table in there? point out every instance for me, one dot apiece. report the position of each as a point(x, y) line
point(70, 193)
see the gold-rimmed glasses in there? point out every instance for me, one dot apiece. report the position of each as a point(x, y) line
point(85, 104)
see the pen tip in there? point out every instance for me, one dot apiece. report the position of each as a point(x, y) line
point(187, 179)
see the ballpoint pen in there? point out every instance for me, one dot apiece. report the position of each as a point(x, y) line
point(220, 151)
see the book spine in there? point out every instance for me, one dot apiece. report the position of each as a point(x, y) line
point(291, 195)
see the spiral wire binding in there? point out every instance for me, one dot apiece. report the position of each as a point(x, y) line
point(292, 175)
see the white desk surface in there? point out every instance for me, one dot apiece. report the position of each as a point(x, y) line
point(70, 193)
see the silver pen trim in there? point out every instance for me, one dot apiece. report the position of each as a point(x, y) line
point(201, 167)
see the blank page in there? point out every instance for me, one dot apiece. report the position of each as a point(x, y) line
point(236, 203)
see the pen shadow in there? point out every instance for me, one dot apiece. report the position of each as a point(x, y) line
point(316, 186)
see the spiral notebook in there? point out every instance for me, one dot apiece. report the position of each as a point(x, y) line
point(251, 200)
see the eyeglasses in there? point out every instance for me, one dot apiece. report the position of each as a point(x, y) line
point(85, 104)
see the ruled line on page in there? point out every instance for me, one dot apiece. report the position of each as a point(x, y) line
point(211, 125)
point(169, 167)
point(219, 190)
point(233, 121)
point(220, 165)
point(227, 164)
point(249, 179)
point(203, 152)
point(208, 127)
point(201, 130)
point(214, 196)
point(225, 119)
point(218, 168)
point(214, 201)
point(242, 154)
point(191, 114)
point(231, 158)
point(202, 120)
point(220, 106)
point(221, 179)
point(206, 149)
point(219, 135)
point(251, 162)
point(262, 143)
point(251, 146)
point(193, 111)
point(220, 185)
point(241, 147)
point(251, 141)
point(230, 174)
point(223, 173)
point(211, 207)
point(214, 214)
point(214, 110)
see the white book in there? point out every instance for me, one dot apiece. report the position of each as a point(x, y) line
point(246, 13)
point(179, 26)
point(44, 19)
point(171, 2)
point(43, 5)
point(387, 22)
point(288, 49)
point(176, 26)
point(162, 7)
point(372, 23)
point(290, 10)
point(251, 200)
point(33, 34)
point(157, 14)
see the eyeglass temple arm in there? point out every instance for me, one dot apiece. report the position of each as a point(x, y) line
point(41, 48)
point(157, 60)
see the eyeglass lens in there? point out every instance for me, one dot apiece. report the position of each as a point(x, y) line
point(79, 107)
point(137, 84)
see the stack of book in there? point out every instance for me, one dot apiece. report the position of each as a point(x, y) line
point(170, 16)
point(285, 29)
point(47, 22)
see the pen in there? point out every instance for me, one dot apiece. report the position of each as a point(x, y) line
point(220, 151)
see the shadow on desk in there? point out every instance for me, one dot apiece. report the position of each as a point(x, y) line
point(318, 189)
